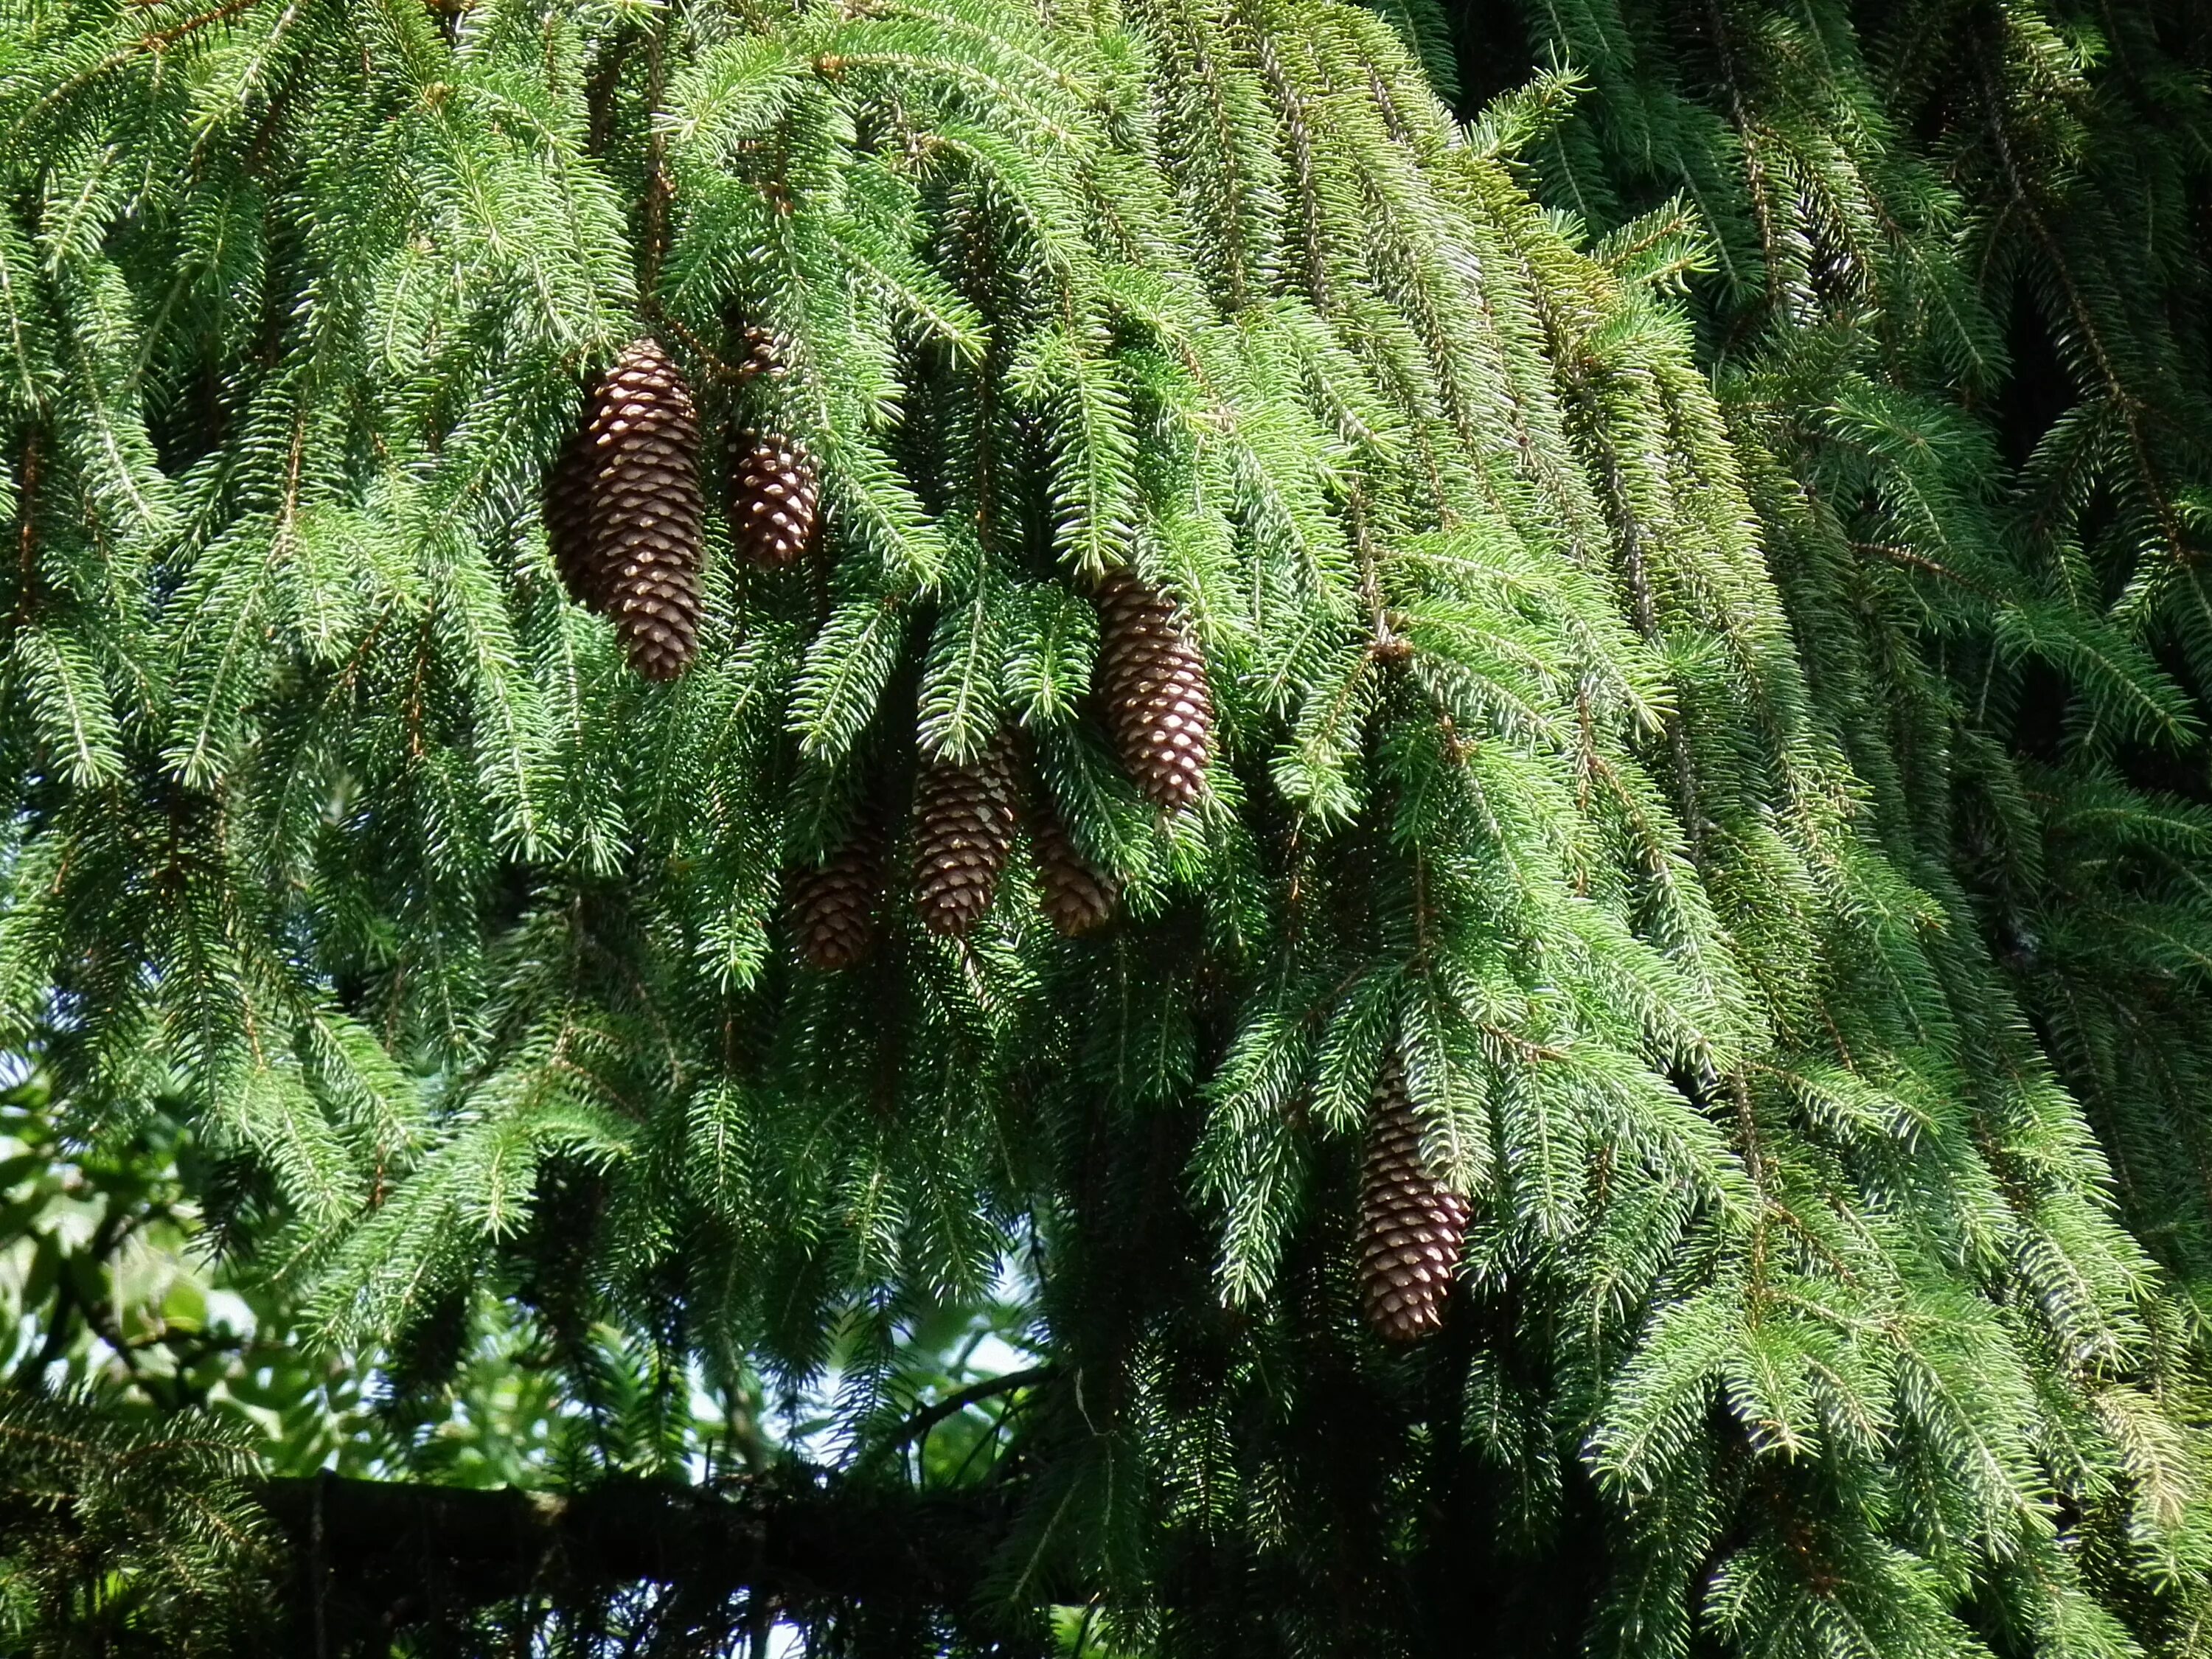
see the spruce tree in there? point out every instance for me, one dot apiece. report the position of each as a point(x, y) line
point(1625, 673)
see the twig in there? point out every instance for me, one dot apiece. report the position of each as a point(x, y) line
point(918, 1427)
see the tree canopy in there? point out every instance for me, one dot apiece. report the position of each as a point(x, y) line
point(1684, 520)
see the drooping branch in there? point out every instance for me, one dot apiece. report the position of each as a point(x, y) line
point(917, 1427)
point(399, 1553)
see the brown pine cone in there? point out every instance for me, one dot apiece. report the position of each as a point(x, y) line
point(964, 832)
point(1077, 896)
point(568, 519)
point(772, 499)
point(1411, 1229)
point(766, 353)
point(644, 548)
point(1152, 688)
point(832, 907)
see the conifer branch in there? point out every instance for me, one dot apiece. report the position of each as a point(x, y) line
point(916, 1428)
point(394, 1548)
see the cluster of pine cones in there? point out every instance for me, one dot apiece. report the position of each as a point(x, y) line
point(622, 505)
point(1158, 710)
point(964, 822)
point(622, 517)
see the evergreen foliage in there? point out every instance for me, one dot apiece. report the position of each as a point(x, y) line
point(90, 1504)
point(1620, 558)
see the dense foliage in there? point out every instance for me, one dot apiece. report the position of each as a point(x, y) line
point(1699, 573)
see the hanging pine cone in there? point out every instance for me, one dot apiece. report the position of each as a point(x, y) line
point(773, 497)
point(1077, 897)
point(1151, 680)
point(964, 832)
point(645, 548)
point(1411, 1229)
point(568, 518)
point(832, 908)
point(767, 353)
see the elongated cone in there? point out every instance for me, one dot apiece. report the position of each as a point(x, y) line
point(832, 908)
point(964, 832)
point(1077, 896)
point(1411, 1229)
point(645, 546)
point(568, 518)
point(773, 498)
point(1152, 688)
